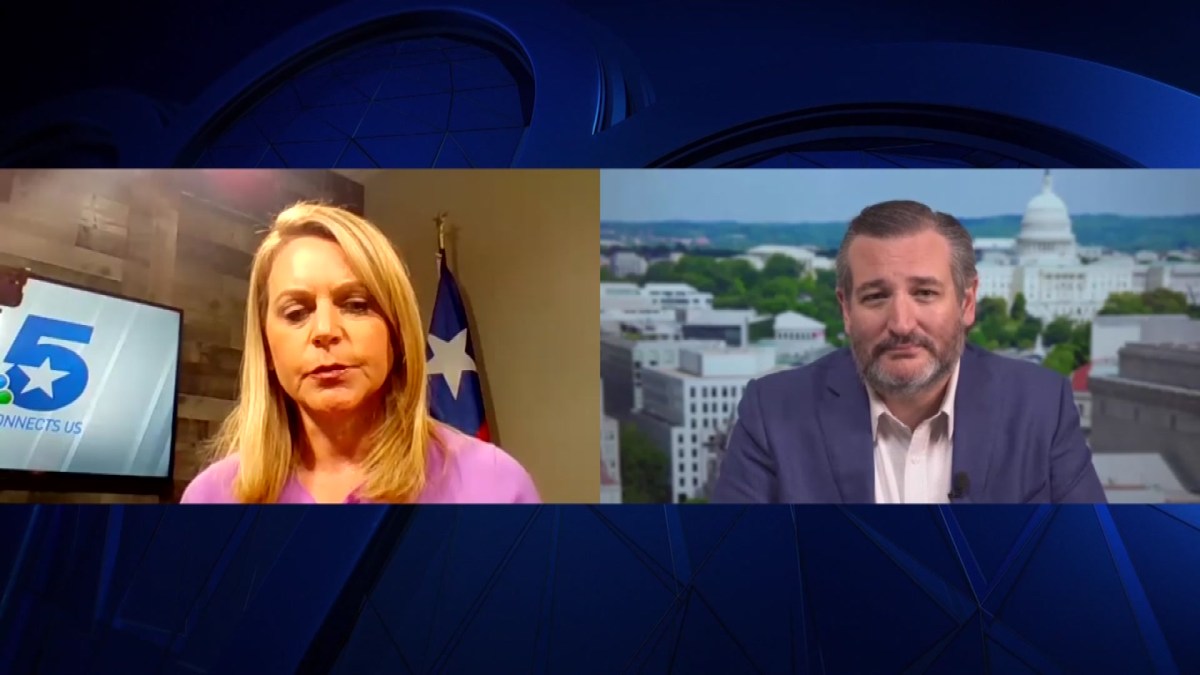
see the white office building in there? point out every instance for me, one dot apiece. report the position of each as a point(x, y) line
point(805, 256)
point(1151, 406)
point(628, 264)
point(1110, 333)
point(622, 295)
point(650, 324)
point(801, 254)
point(1181, 277)
point(677, 296)
point(732, 326)
point(1139, 478)
point(671, 296)
point(685, 407)
point(756, 262)
point(626, 310)
point(796, 337)
point(623, 360)
point(798, 334)
point(819, 264)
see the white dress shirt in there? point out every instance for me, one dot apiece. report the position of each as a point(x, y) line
point(913, 466)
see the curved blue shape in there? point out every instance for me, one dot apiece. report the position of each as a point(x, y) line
point(411, 101)
point(588, 87)
point(895, 136)
point(1106, 107)
point(564, 111)
point(97, 128)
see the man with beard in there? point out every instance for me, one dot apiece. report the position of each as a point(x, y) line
point(909, 413)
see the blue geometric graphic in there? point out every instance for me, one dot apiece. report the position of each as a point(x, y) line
point(600, 589)
point(408, 102)
point(562, 83)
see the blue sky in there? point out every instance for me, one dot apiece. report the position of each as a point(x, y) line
point(805, 195)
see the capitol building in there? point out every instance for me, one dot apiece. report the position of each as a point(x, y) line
point(1060, 278)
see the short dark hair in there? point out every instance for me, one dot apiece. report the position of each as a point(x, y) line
point(902, 217)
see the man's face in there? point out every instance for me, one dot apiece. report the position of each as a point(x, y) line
point(905, 321)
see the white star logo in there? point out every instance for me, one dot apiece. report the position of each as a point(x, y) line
point(43, 377)
point(450, 359)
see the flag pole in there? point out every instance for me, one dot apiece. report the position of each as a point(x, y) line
point(440, 221)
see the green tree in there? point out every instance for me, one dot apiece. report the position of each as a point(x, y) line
point(827, 279)
point(645, 474)
point(833, 331)
point(1081, 340)
point(699, 265)
point(772, 304)
point(781, 266)
point(1027, 332)
point(1058, 331)
point(1018, 308)
point(743, 271)
point(606, 274)
point(787, 288)
point(698, 281)
point(1123, 303)
point(978, 337)
point(1006, 333)
point(1165, 301)
point(1061, 359)
point(990, 307)
point(730, 301)
point(661, 272)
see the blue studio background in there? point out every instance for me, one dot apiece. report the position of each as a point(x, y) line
point(578, 589)
point(552, 83)
point(540, 83)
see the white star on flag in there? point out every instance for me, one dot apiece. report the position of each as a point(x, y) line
point(450, 359)
point(43, 377)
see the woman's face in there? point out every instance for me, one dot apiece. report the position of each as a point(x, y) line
point(328, 342)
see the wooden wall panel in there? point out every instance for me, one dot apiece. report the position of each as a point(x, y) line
point(180, 238)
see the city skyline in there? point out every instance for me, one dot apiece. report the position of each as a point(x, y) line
point(803, 195)
point(1041, 300)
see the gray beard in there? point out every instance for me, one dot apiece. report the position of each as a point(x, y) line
point(873, 374)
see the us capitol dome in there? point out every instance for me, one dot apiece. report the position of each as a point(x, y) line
point(1046, 228)
point(1044, 265)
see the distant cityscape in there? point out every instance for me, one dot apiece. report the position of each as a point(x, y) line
point(686, 324)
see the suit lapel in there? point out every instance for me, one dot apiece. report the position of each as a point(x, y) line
point(973, 424)
point(845, 416)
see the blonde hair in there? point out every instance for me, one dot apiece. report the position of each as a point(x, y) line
point(263, 426)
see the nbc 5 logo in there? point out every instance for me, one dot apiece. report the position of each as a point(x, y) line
point(40, 374)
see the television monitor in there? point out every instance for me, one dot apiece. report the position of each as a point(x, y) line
point(88, 383)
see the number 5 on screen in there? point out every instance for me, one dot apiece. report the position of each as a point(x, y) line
point(46, 376)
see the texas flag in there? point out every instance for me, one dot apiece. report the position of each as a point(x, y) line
point(455, 397)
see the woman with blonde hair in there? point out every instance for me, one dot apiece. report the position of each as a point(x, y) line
point(333, 406)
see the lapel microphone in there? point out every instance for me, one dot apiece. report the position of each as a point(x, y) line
point(959, 485)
